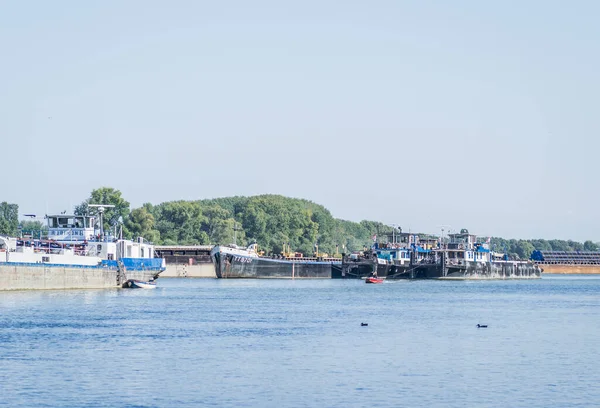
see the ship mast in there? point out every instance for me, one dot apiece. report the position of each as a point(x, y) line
point(101, 208)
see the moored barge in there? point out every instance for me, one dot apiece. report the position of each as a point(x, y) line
point(75, 255)
point(462, 257)
point(232, 261)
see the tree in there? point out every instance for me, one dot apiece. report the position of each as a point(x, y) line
point(112, 216)
point(524, 249)
point(575, 246)
point(219, 225)
point(541, 245)
point(180, 222)
point(36, 229)
point(9, 219)
point(590, 246)
point(559, 245)
point(140, 223)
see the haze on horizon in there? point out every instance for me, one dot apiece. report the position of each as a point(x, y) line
point(462, 114)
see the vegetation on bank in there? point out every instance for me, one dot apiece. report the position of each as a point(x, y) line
point(273, 221)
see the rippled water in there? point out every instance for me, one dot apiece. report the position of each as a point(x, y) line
point(283, 343)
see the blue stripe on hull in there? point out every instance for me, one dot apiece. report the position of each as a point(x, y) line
point(55, 265)
point(142, 264)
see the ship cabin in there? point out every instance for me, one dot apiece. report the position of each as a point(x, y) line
point(76, 235)
point(397, 249)
point(464, 247)
point(394, 254)
point(71, 228)
point(421, 246)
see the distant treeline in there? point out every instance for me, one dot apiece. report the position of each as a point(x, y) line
point(522, 249)
point(272, 221)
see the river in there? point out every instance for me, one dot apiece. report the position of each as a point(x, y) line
point(300, 343)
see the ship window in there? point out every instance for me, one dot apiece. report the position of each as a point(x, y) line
point(45, 259)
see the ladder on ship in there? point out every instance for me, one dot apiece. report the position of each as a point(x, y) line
point(121, 275)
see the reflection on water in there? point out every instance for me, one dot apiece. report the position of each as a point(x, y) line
point(299, 343)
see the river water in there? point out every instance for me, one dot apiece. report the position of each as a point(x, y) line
point(284, 343)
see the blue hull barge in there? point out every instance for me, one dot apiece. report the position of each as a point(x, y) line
point(75, 255)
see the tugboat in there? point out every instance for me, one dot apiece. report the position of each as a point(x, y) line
point(419, 256)
point(389, 259)
point(464, 257)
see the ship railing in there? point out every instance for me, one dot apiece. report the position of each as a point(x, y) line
point(87, 251)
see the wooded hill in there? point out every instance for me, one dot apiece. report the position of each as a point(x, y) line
point(272, 221)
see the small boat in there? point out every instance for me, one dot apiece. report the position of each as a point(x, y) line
point(373, 280)
point(138, 284)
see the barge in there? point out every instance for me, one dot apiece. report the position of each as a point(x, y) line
point(75, 255)
point(232, 261)
point(461, 257)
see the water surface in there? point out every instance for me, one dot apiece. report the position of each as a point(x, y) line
point(284, 343)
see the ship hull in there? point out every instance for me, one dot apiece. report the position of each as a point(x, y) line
point(494, 270)
point(228, 266)
point(364, 269)
point(468, 270)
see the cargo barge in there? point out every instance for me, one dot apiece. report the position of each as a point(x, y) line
point(568, 262)
point(75, 255)
point(232, 261)
point(462, 257)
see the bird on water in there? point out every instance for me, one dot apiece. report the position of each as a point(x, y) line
point(364, 324)
point(482, 326)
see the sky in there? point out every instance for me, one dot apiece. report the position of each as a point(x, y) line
point(425, 114)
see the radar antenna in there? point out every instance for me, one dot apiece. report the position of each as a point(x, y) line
point(101, 208)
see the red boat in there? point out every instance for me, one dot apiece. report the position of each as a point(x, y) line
point(373, 280)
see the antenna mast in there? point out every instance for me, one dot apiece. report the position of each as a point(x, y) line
point(101, 208)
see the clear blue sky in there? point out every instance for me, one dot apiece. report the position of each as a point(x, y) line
point(468, 114)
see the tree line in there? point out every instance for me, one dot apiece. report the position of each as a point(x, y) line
point(274, 222)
